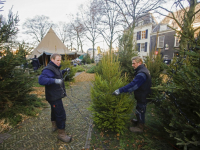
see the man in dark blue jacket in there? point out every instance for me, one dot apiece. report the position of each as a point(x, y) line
point(141, 85)
point(52, 78)
point(35, 63)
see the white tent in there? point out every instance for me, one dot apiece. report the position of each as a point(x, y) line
point(50, 44)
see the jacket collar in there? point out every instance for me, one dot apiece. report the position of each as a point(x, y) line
point(138, 68)
point(51, 63)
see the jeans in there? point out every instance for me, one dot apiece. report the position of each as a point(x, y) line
point(140, 112)
point(58, 113)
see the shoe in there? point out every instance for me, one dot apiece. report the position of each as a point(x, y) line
point(63, 136)
point(138, 129)
point(54, 126)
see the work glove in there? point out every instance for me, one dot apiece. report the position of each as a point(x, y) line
point(116, 92)
point(58, 81)
point(67, 69)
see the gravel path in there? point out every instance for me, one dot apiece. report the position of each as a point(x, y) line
point(35, 133)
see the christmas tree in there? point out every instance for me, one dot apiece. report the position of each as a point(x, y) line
point(180, 106)
point(110, 112)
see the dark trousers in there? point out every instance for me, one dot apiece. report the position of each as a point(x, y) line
point(58, 113)
point(140, 112)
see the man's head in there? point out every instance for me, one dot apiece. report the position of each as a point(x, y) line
point(56, 58)
point(136, 61)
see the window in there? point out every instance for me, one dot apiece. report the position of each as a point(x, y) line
point(176, 42)
point(143, 34)
point(161, 41)
point(139, 35)
point(142, 47)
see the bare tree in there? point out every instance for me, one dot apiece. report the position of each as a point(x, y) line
point(2, 2)
point(37, 27)
point(91, 19)
point(132, 10)
point(111, 23)
point(78, 30)
point(61, 30)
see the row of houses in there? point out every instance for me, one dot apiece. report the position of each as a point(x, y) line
point(152, 36)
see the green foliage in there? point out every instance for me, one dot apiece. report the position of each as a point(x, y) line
point(91, 70)
point(66, 63)
point(86, 59)
point(79, 68)
point(153, 138)
point(15, 84)
point(110, 112)
point(126, 52)
point(180, 108)
point(155, 66)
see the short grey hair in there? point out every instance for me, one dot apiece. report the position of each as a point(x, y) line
point(53, 56)
point(137, 59)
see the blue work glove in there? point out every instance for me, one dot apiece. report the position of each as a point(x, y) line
point(67, 69)
point(58, 81)
point(116, 92)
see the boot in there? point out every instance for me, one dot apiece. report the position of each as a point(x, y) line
point(63, 136)
point(54, 126)
point(138, 129)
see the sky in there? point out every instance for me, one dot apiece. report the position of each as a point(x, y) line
point(56, 10)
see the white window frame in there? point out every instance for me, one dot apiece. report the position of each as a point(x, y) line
point(142, 50)
point(176, 43)
point(158, 45)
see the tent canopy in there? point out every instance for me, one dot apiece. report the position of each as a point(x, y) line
point(50, 44)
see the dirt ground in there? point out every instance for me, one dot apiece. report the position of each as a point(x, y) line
point(84, 77)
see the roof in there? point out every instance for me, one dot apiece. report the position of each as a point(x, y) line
point(179, 16)
point(50, 44)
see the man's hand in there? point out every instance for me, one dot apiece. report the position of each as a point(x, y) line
point(67, 69)
point(58, 81)
point(116, 92)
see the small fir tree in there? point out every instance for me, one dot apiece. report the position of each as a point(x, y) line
point(110, 112)
point(126, 52)
point(15, 84)
point(66, 63)
point(156, 66)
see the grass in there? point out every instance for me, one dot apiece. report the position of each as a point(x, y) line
point(154, 136)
